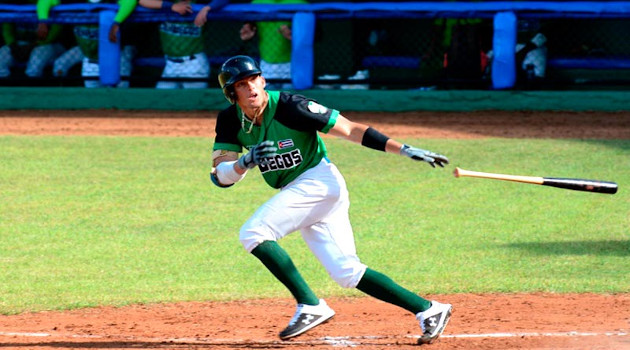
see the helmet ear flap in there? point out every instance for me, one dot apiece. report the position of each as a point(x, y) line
point(230, 94)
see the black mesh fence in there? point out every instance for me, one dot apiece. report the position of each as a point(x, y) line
point(587, 52)
point(404, 53)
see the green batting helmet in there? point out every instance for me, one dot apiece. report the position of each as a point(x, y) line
point(234, 69)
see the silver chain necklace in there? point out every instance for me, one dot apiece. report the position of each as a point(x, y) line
point(251, 125)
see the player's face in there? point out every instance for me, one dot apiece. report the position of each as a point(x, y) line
point(250, 92)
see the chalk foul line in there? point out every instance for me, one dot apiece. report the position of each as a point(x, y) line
point(345, 341)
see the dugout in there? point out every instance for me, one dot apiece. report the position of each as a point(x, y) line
point(404, 45)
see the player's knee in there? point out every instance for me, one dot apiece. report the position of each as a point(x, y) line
point(251, 237)
point(59, 70)
point(34, 71)
point(348, 276)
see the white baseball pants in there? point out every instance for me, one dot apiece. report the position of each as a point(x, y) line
point(276, 71)
point(40, 57)
point(91, 69)
point(316, 204)
point(194, 66)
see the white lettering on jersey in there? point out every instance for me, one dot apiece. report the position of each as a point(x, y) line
point(283, 161)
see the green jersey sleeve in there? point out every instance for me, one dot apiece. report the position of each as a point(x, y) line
point(43, 8)
point(125, 9)
point(305, 114)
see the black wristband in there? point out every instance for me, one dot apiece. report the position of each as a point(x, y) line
point(374, 139)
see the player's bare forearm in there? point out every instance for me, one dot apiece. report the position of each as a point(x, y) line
point(355, 132)
point(393, 146)
point(372, 138)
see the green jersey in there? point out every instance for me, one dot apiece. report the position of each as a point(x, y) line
point(273, 47)
point(22, 33)
point(26, 32)
point(126, 7)
point(181, 39)
point(87, 35)
point(292, 122)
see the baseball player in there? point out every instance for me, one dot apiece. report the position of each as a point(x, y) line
point(183, 44)
point(274, 44)
point(280, 130)
point(33, 43)
point(86, 51)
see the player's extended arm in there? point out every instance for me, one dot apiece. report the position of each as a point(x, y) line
point(371, 138)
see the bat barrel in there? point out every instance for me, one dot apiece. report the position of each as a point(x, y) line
point(582, 185)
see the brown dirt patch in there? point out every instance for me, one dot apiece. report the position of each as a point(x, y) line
point(584, 125)
point(480, 321)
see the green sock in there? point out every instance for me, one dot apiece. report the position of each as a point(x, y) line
point(384, 288)
point(281, 266)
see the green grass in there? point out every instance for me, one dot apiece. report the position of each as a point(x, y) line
point(88, 221)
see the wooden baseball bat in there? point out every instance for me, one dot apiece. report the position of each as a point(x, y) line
point(569, 184)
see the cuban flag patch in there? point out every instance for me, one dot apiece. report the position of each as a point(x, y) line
point(288, 143)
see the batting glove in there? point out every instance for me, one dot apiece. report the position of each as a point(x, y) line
point(260, 154)
point(424, 155)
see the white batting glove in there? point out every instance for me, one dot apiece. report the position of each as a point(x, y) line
point(424, 155)
point(259, 154)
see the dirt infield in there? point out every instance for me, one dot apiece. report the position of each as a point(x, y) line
point(496, 321)
point(480, 321)
point(588, 125)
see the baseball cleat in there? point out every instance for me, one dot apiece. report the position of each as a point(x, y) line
point(307, 317)
point(433, 321)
